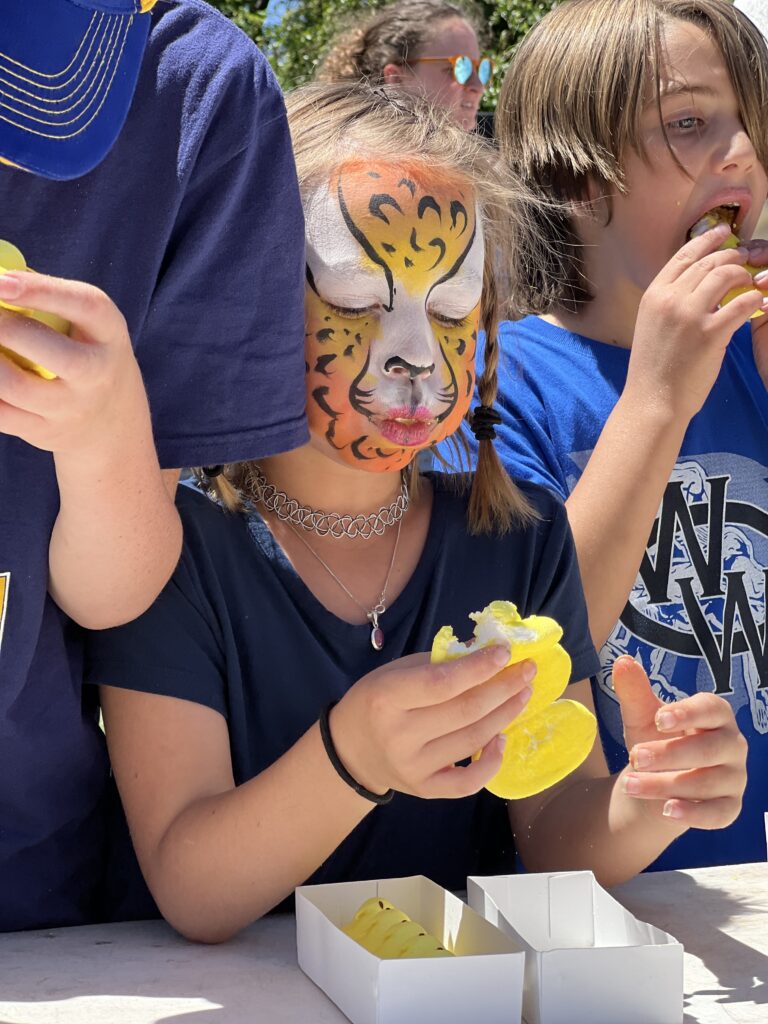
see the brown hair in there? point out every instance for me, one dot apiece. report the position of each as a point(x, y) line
point(331, 124)
point(571, 104)
point(392, 35)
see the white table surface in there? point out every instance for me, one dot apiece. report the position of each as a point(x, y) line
point(143, 973)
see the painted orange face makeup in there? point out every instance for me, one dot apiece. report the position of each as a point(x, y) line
point(394, 275)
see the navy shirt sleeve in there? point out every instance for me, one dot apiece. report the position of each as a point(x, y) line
point(221, 347)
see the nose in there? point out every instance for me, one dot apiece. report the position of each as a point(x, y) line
point(398, 367)
point(739, 153)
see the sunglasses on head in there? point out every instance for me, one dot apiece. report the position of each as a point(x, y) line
point(462, 67)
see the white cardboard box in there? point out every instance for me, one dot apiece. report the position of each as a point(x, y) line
point(588, 960)
point(484, 981)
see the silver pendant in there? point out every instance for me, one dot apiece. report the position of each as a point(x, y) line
point(377, 633)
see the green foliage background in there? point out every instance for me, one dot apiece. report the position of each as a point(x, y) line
point(296, 43)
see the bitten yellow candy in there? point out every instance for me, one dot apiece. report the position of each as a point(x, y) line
point(390, 934)
point(722, 215)
point(551, 737)
point(12, 259)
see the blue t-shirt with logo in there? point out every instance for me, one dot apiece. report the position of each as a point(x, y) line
point(238, 631)
point(696, 614)
point(193, 225)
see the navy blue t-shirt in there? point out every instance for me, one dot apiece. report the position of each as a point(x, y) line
point(238, 631)
point(193, 225)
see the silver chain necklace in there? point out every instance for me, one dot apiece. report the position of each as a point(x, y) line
point(326, 524)
point(372, 614)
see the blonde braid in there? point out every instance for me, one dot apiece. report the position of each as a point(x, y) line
point(495, 503)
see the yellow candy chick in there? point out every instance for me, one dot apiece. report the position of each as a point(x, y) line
point(725, 215)
point(390, 934)
point(551, 737)
point(12, 259)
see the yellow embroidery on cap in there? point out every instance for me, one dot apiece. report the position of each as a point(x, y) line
point(147, 5)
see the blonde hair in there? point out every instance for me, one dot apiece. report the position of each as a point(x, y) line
point(331, 124)
point(571, 105)
point(392, 35)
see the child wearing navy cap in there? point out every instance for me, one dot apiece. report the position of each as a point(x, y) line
point(147, 159)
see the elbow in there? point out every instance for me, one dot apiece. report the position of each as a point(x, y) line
point(200, 922)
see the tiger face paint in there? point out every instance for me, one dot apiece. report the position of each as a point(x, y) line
point(394, 276)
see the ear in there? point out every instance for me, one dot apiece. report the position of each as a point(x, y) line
point(392, 74)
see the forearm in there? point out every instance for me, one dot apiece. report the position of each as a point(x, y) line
point(592, 825)
point(117, 537)
point(613, 506)
point(229, 858)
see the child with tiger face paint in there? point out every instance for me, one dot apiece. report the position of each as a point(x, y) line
point(292, 636)
point(394, 275)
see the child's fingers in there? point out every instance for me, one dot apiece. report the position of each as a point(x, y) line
point(704, 749)
point(737, 311)
point(41, 344)
point(691, 252)
point(474, 704)
point(701, 711)
point(702, 269)
point(85, 306)
point(427, 684)
point(464, 742)
point(458, 781)
point(638, 703)
point(716, 284)
point(722, 781)
point(706, 814)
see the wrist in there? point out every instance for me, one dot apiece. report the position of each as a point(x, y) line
point(341, 732)
point(652, 410)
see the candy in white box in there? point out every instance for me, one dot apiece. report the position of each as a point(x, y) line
point(588, 960)
point(483, 981)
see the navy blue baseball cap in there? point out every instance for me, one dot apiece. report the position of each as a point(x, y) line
point(68, 69)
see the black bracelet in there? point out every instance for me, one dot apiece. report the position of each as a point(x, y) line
point(330, 749)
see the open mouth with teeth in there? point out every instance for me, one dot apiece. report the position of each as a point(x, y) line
point(728, 214)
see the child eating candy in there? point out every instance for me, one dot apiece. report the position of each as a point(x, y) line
point(272, 718)
point(636, 393)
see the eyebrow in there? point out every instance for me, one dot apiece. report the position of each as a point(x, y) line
point(674, 88)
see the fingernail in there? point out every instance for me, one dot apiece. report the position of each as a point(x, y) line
point(641, 758)
point(665, 720)
point(10, 287)
point(631, 785)
point(761, 278)
point(672, 809)
point(525, 694)
point(742, 250)
point(501, 741)
point(528, 670)
point(499, 655)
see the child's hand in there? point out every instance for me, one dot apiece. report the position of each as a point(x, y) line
point(681, 335)
point(405, 725)
point(688, 759)
point(97, 395)
point(758, 257)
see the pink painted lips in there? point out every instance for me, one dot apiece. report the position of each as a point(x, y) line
point(406, 427)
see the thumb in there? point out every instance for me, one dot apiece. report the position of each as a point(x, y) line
point(637, 700)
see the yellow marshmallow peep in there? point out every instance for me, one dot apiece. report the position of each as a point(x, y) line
point(12, 259)
point(725, 215)
point(390, 934)
point(550, 737)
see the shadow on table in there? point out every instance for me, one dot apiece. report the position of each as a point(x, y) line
point(740, 970)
